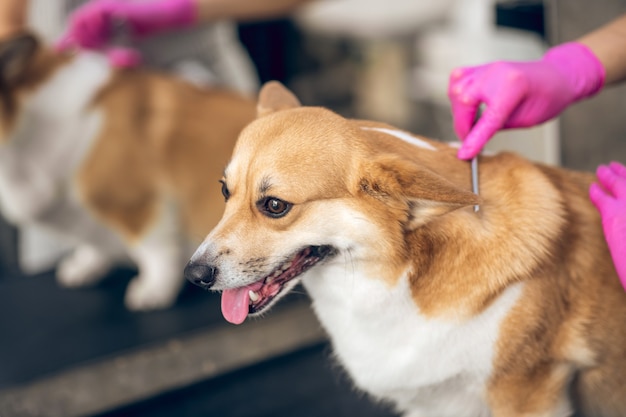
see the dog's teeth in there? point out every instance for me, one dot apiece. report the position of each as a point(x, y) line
point(274, 275)
point(281, 270)
point(254, 297)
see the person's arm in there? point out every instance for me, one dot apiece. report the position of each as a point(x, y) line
point(12, 16)
point(244, 10)
point(608, 44)
point(92, 25)
point(525, 94)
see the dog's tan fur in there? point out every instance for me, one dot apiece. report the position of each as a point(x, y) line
point(562, 341)
point(148, 169)
point(163, 136)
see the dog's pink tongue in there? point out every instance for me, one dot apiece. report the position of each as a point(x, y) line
point(235, 305)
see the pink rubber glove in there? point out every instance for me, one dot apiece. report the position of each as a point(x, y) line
point(520, 94)
point(123, 57)
point(612, 206)
point(92, 26)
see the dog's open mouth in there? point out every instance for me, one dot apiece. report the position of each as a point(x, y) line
point(239, 302)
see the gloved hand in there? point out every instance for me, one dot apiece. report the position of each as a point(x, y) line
point(520, 94)
point(612, 206)
point(92, 26)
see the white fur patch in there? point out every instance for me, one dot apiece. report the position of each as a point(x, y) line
point(405, 136)
point(85, 266)
point(425, 365)
point(54, 130)
point(160, 256)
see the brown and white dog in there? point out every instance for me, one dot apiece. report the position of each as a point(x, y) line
point(512, 311)
point(121, 160)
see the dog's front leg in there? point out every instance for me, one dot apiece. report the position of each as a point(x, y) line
point(160, 257)
point(86, 265)
point(541, 393)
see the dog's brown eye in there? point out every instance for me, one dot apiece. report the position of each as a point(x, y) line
point(274, 207)
point(225, 191)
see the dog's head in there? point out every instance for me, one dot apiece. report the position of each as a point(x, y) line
point(306, 189)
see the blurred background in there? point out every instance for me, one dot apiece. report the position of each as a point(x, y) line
point(81, 353)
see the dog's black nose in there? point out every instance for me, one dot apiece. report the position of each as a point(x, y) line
point(200, 274)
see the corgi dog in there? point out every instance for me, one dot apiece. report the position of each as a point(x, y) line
point(514, 310)
point(120, 160)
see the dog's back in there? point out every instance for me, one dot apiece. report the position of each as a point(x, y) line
point(569, 323)
point(165, 136)
point(538, 227)
point(578, 311)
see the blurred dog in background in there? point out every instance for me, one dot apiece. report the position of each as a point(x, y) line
point(123, 161)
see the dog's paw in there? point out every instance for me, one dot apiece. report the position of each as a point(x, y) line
point(84, 266)
point(144, 294)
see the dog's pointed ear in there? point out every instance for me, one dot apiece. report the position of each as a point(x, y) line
point(15, 56)
point(274, 97)
point(422, 193)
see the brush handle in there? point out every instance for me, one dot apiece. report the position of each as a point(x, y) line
point(474, 165)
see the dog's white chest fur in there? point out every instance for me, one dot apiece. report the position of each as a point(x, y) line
point(426, 366)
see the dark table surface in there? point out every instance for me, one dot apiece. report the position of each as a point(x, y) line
point(46, 328)
point(303, 384)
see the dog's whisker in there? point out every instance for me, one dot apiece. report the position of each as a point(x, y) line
point(350, 264)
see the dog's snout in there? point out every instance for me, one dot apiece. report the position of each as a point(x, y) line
point(200, 274)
